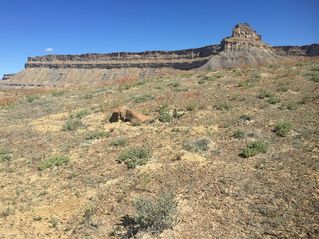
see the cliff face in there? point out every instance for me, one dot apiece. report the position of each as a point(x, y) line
point(308, 50)
point(183, 60)
point(243, 47)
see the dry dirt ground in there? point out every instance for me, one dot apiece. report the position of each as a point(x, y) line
point(219, 193)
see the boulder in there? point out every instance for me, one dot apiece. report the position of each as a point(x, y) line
point(128, 115)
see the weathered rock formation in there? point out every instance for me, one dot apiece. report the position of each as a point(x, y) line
point(243, 47)
point(7, 76)
point(308, 50)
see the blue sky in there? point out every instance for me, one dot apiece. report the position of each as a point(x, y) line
point(39, 27)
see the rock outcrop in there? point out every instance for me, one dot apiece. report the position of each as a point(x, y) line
point(7, 76)
point(307, 50)
point(243, 47)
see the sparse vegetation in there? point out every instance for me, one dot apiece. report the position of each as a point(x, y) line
point(265, 94)
point(5, 155)
point(245, 118)
point(143, 98)
point(164, 114)
point(283, 128)
point(119, 142)
point(54, 161)
point(31, 98)
point(81, 114)
point(155, 215)
point(134, 156)
point(254, 148)
point(223, 105)
point(98, 135)
point(273, 100)
point(196, 145)
point(238, 134)
point(72, 124)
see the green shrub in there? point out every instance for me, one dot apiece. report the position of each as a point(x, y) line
point(5, 155)
point(155, 215)
point(283, 128)
point(254, 148)
point(72, 124)
point(191, 105)
point(119, 142)
point(313, 75)
point(207, 78)
point(238, 134)
point(81, 114)
point(223, 105)
point(134, 156)
point(196, 145)
point(31, 98)
point(97, 135)
point(54, 161)
point(273, 100)
point(292, 106)
point(264, 95)
point(245, 118)
point(165, 114)
point(143, 98)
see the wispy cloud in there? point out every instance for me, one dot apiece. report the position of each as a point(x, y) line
point(49, 49)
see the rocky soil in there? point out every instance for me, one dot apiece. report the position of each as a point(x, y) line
point(61, 176)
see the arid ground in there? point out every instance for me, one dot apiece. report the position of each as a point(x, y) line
point(237, 150)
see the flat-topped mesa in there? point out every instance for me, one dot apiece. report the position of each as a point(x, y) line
point(182, 59)
point(243, 47)
point(244, 37)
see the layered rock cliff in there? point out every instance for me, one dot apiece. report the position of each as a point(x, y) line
point(243, 47)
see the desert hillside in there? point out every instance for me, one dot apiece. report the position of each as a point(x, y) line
point(228, 153)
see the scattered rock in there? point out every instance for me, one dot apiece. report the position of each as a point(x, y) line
point(128, 115)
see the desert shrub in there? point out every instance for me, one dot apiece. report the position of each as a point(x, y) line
point(54, 161)
point(81, 114)
point(5, 155)
point(273, 100)
point(254, 148)
point(31, 98)
point(72, 124)
point(313, 75)
point(196, 145)
point(174, 84)
point(143, 98)
point(207, 78)
point(134, 156)
point(127, 82)
point(155, 215)
point(119, 142)
point(192, 101)
point(238, 134)
point(292, 106)
point(57, 93)
point(264, 95)
point(97, 135)
point(283, 128)
point(164, 114)
point(245, 118)
point(282, 88)
point(223, 105)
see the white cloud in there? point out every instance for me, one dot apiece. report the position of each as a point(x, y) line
point(49, 49)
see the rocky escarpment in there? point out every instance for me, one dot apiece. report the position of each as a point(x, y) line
point(307, 50)
point(183, 59)
point(7, 76)
point(243, 47)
